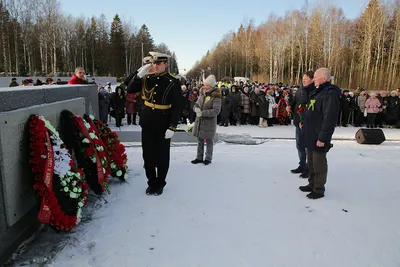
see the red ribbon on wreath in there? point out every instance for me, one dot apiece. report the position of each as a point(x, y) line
point(45, 212)
point(82, 128)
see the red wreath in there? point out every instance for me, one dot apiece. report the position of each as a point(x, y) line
point(83, 141)
point(116, 150)
point(55, 209)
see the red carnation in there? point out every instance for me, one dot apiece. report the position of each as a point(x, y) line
point(90, 151)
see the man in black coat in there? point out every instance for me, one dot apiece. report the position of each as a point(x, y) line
point(159, 117)
point(319, 124)
point(298, 107)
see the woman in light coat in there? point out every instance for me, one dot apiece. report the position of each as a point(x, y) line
point(372, 105)
point(207, 109)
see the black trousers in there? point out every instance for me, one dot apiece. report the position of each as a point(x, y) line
point(156, 156)
point(131, 118)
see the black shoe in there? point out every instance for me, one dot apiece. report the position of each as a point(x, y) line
point(305, 188)
point(159, 191)
point(196, 161)
point(206, 162)
point(298, 170)
point(305, 174)
point(315, 195)
point(149, 191)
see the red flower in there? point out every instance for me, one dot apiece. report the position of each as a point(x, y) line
point(90, 151)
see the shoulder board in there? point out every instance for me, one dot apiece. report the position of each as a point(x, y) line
point(173, 76)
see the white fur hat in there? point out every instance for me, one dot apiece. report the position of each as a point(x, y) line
point(210, 80)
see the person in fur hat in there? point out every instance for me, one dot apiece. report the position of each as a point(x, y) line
point(207, 109)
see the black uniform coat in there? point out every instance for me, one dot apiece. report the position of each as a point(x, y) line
point(321, 116)
point(160, 89)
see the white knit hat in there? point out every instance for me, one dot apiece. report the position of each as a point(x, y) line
point(211, 80)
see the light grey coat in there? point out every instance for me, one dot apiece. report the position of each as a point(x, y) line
point(210, 105)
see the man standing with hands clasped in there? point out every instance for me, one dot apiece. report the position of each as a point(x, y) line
point(161, 93)
point(319, 124)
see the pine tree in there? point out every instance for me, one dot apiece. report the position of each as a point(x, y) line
point(117, 47)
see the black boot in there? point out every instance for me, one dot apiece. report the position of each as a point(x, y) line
point(149, 191)
point(298, 170)
point(305, 174)
point(158, 191)
point(315, 195)
point(305, 188)
point(206, 162)
point(197, 161)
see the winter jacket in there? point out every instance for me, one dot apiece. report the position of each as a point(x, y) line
point(299, 102)
point(205, 126)
point(321, 116)
point(75, 80)
point(130, 103)
point(245, 103)
point(372, 105)
point(393, 108)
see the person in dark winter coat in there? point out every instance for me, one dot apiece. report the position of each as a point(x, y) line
point(13, 82)
point(185, 104)
point(393, 109)
point(319, 124)
point(297, 108)
point(346, 106)
point(194, 94)
point(117, 104)
point(236, 102)
point(263, 108)
point(104, 102)
point(226, 106)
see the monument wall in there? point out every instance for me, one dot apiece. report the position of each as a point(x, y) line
point(18, 203)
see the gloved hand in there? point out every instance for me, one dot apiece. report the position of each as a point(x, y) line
point(143, 70)
point(169, 133)
point(197, 110)
point(199, 114)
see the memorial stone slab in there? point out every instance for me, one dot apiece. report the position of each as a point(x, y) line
point(18, 194)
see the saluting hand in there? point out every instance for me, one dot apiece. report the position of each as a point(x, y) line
point(169, 133)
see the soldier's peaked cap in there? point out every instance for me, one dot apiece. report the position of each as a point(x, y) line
point(158, 57)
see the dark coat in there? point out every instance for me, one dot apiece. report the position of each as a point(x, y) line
point(321, 116)
point(236, 103)
point(263, 105)
point(226, 104)
point(393, 108)
point(205, 127)
point(104, 102)
point(159, 89)
point(254, 104)
point(298, 103)
point(117, 104)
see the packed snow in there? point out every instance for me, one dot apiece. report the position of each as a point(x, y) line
point(245, 209)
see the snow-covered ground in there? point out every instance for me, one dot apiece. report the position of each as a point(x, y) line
point(245, 210)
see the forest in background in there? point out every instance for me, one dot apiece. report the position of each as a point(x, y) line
point(38, 39)
point(362, 52)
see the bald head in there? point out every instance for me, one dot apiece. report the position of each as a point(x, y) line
point(321, 75)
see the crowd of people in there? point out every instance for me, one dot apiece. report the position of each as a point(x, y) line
point(265, 105)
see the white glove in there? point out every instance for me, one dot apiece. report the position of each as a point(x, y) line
point(197, 110)
point(169, 133)
point(199, 114)
point(143, 70)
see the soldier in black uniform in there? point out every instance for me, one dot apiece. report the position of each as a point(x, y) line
point(161, 93)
